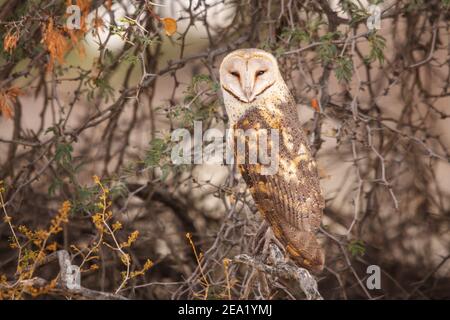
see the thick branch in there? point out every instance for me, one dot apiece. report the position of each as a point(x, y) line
point(286, 271)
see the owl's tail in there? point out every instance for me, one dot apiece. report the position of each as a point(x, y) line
point(304, 249)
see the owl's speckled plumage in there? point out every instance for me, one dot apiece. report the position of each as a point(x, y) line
point(256, 97)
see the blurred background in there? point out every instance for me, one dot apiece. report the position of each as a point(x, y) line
point(86, 115)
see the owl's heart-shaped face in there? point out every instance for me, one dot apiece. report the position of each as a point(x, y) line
point(245, 74)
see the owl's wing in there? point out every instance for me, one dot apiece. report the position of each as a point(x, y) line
point(290, 198)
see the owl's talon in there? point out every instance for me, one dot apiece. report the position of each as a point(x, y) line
point(258, 240)
point(272, 247)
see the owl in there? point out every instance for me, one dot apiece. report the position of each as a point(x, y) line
point(290, 199)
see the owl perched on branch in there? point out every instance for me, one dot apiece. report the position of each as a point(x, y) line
point(290, 199)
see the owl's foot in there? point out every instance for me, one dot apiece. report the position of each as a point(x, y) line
point(273, 248)
point(259, 239)
point(267, 245)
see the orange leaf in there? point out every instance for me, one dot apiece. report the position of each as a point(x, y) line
point(170, 26)
point(5, 109)
point(10, 42)
point(55, 42)
point(84, 6)
point(13, 92)
point(315, 104)
point(8, 95)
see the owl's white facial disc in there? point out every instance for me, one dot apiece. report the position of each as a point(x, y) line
point(246, 74)
point(250, 79)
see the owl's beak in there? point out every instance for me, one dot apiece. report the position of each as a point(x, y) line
point(248, 92)
point(248, 85)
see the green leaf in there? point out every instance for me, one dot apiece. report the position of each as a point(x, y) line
point(200, 78)
point(295, 36)
point(344, 69)
point(327, 52)
point(130, 58)
point(51, 129)
point(165, 169)
point(356, 13)
point(216, 86)
point(54, 185)
point(158, 147)
point(63, 154)
point(377, 45)
point(357, 248)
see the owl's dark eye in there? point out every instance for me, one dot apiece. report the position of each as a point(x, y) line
point(260, 73)
point(236, 74)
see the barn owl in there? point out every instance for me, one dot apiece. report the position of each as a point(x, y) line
point(290, 200)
